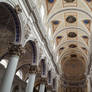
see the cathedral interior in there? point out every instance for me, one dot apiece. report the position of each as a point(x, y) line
point(45, 45)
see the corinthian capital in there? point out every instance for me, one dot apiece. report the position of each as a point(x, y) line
point(16, 49)
point(43, 80)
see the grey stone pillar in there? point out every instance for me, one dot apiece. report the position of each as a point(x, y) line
point(30, 85)
point(43, 84)
point(42, 88)
point(31, 82)
point(14, 51)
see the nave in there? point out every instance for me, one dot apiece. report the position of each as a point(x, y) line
point(46, 45)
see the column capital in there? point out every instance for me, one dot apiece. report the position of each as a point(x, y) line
point(33, 69)
point(43, 80)
point(15, 49)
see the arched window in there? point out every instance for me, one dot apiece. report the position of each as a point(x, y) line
point(54, 83)
point(43, 67)
point(49, 76)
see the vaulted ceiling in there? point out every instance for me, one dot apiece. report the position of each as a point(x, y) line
point(68, 27)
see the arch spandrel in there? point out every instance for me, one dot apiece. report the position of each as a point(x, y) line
point(28, 59)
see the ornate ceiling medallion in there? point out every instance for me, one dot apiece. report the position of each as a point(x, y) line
point(72, 34)
point(69, 1)
point(72, 46)
point(71, 19)
point(73, 55)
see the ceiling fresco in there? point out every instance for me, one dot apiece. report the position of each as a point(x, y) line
point(68, 26)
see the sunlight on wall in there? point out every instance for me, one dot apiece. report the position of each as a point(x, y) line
point(19, 74)
point(4, 63)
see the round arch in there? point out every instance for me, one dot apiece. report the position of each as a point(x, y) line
point(29, 58)
point(10, 28)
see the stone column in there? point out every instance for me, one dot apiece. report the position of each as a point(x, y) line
point(42, 88)
point(31, 82)
point(42, 85)
point(14, 52)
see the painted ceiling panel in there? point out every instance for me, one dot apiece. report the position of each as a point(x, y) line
point(70, 22)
